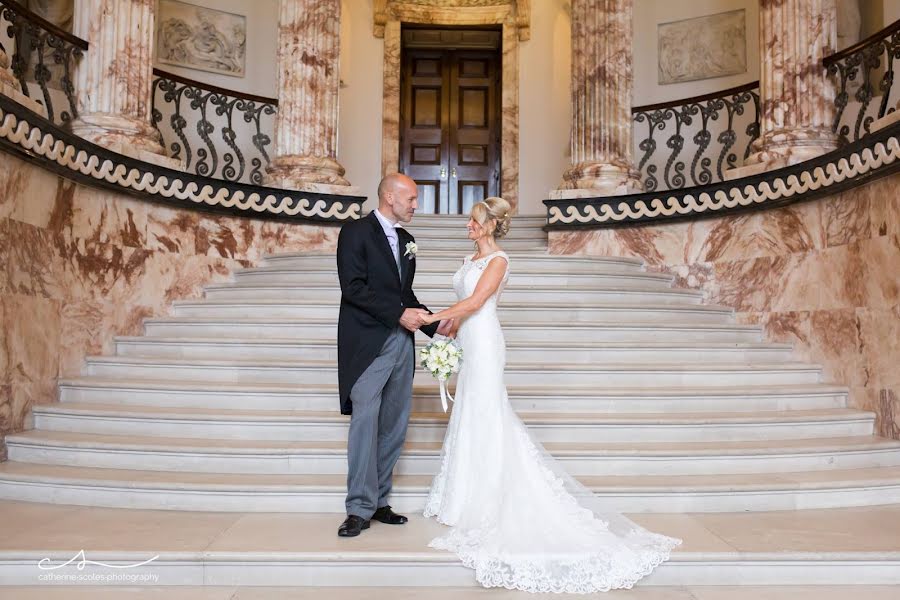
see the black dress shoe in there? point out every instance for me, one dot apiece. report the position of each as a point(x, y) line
point(352, 526)
point(386, 515)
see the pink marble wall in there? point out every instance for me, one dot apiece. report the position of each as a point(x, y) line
point(822, 275)
point(79, 265)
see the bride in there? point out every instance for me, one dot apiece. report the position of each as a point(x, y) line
point(517, 517)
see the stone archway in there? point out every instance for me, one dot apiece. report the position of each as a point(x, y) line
point(513, 15)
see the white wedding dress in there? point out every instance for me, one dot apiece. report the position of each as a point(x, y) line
point(517, 518)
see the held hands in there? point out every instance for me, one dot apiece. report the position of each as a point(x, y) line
point(447, 328)
point(413, 318)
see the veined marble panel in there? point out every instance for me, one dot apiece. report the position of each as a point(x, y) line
point(823, 275)
point(80, 265)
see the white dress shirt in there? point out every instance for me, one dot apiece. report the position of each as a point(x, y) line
point(390, 232)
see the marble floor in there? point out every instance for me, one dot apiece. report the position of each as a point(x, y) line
point(272, 593)
point(59, 531)
point(61, 528)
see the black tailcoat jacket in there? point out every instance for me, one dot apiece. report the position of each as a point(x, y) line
point(373, 297)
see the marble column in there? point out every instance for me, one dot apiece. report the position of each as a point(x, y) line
point(796, 96)
point(308, 80)
point(602, 82)
point(114, 78)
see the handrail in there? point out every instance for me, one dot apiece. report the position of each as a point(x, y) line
point(863, 77)
point(722, 126)
point(694, 99)
point(33, 138)
point(213, 88)
point(47, 56)
point(871, 157)
point(875, 37)
point(45, 24)
point(212, 130)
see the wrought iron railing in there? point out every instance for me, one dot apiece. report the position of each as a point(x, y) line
point(43, 59)
point(213, 130)
point(863, 76)
point(721, 125)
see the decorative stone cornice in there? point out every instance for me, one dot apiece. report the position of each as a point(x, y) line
point(873, 156)
point(37, 140)
point(455, 12)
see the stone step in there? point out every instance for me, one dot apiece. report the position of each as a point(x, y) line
point(509, 312)
point(427, 233)
point(557, 375)
point(176, 490)
point(851, 549)
point(577, 353)
point(249, 423)
point(443, 295)
point(457, 242)
point(305, 457)
point(672, 400)
point(449, 262)
point(297, 276)
point(422, 220)
point(515, 333)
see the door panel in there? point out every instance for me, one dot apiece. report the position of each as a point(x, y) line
point(470, 192)
point(450, 126)
point(425, 106)
point(429, 196)
point(474, 129)
point(473, 107)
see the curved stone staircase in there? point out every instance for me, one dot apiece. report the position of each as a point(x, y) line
point(658, 402)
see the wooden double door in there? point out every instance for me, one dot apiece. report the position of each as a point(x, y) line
point(450, 127)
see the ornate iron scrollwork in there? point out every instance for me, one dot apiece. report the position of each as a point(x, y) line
point(43, 57)
point(861, 74)
point(206, 111)
point(703, 119)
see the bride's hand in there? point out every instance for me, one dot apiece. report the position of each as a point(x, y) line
point(445, 326)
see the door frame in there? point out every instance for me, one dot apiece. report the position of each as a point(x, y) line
point(450, 57)
point(514, 21)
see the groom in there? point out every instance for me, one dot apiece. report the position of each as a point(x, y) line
point(376, 359)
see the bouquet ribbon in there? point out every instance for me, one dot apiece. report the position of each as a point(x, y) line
point(445, 394)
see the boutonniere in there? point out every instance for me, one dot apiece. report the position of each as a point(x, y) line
point(411, 249)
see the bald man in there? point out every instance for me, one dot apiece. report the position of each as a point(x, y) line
point(376, 356)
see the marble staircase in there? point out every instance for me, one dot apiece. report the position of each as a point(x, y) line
point(658, 402)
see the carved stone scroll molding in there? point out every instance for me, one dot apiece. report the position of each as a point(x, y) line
point(873, 156)
point(33, 138)
point(455, 12)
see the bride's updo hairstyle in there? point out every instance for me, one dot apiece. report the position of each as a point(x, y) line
point(493, 209)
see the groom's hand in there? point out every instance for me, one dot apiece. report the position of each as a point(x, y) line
point(445, 327)
point(413, 318)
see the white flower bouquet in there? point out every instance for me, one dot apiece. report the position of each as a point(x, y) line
point(442, 358)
